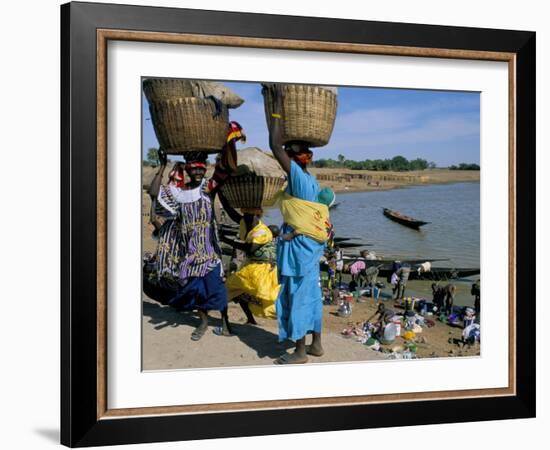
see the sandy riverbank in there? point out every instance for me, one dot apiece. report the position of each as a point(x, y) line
point(167, 339)
point(166, 332)
point(346, 180)
point(167, 344)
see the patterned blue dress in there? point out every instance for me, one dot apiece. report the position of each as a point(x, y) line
point(299, 304)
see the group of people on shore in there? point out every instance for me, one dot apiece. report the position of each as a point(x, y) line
point(280, 277)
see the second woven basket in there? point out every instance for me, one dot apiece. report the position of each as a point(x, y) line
point(309, 112)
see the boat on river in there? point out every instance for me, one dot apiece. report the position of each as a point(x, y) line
point(435, 274)
point(410, 222)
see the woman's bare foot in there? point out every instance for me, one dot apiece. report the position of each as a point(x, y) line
point(226, 329)
point(249, 316)
point(292, 358)
point(198, 332)
point(315, 349)
point(299, 355)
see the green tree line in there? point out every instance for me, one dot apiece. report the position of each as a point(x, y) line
point(464, 166)
point(397, 163)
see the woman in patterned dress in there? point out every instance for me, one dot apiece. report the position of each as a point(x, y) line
point(200, 279)
point(187, 272)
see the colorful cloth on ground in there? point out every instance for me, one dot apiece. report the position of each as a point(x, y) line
point(203, 292)
point(257, 278)
point(309, 218)
point(299, 304)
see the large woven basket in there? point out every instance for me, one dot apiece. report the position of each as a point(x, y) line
point(160, 89)
point(251, 190)
point(187, 124)
point(309, 113)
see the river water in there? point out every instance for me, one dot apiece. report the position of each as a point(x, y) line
point(452, 209)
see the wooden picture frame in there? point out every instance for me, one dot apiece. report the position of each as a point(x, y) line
point(85, 417)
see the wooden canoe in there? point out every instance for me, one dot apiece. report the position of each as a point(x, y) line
point(403, 219)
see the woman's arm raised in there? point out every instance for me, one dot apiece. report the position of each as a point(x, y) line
point(276, 131)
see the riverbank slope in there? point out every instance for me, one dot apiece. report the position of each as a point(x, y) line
point(347, 180)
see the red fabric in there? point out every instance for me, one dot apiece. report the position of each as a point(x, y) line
point(195, 165)
point(177, 177)
point(303, 158)
point(227, 161)
point(235, 131)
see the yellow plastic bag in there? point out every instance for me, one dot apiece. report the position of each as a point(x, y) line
point(308, 218)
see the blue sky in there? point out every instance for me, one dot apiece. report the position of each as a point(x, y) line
point(375, 123)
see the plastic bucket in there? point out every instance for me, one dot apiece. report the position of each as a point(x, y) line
point(397, 324)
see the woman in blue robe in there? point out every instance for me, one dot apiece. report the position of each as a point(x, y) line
point(299, 304)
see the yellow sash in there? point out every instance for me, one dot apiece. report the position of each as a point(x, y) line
point(308, 218)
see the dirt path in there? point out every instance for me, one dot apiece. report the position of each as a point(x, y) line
point(167, 342)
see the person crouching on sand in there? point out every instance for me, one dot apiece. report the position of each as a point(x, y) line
point(382, 317)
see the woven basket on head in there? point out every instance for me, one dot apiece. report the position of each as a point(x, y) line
point(160, 89)
point(309, 113)
point(251, 190)
point(258, 178)
point(187, 124)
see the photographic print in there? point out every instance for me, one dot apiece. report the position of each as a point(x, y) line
point(302, 224)
point(295, 241)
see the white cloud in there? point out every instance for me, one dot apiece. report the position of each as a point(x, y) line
point(396, 126)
